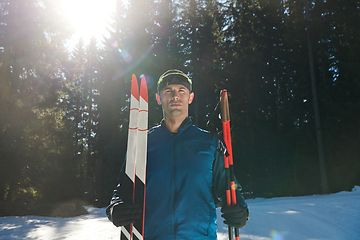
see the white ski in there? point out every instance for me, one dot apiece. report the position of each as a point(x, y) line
point(135, 167)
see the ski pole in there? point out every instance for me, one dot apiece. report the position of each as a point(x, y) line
point(228, 158)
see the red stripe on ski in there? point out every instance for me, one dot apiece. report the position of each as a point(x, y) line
point(144, 96)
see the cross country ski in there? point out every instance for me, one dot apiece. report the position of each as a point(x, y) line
point(135, 168)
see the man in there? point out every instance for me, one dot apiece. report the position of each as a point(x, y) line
point(185, 177)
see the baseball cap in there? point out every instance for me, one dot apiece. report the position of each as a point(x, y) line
point(174, 76)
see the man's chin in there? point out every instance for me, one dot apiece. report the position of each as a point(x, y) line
point(176, 112)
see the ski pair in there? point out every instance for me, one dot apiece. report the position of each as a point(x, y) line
point(135, 166)
point(228, 158)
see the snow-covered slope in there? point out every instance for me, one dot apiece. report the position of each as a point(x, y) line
point(319, 217)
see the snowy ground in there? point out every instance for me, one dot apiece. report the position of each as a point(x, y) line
point(319, 217)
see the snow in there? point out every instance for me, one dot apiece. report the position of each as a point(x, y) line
point(319, 217)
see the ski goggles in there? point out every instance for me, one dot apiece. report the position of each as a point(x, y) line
point(174, 77)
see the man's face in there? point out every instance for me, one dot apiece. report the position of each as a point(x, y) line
point(175, 100)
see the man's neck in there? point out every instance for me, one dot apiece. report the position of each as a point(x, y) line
point(173, 124)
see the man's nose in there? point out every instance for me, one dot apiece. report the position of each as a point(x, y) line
point(175, 95)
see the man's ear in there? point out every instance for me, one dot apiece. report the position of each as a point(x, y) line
point(158, 99)
point(191, 98)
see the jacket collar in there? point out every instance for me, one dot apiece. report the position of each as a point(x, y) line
point(187, 123)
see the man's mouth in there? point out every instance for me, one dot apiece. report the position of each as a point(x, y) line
point(175, 104)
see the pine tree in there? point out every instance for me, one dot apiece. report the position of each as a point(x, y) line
point(29, 80)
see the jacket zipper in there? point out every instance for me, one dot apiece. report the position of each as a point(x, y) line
point(175, 194)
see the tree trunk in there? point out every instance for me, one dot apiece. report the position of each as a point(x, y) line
point(324, 182)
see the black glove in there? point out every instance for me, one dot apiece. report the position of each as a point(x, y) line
point(235, 216)
point(122, 214)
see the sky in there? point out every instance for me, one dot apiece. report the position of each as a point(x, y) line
point(318, 217)
point(89, 17)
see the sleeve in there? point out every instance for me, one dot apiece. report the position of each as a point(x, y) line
point(219, 179)
point(118, 194)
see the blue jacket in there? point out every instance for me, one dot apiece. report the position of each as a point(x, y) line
point(185, 178)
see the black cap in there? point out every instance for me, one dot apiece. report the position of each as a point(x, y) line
point(174, 77)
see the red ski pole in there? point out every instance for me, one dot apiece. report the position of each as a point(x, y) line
point(228, 158)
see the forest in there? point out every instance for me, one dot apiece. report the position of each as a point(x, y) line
point(291, 68)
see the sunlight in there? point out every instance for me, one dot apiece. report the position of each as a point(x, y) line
point(291, 212)
point(287, 212)
point(89, 17)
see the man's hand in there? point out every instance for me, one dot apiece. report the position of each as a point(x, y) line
point(122, 214)
point(235, 216)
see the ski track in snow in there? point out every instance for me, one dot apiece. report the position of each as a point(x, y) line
point(318, 217)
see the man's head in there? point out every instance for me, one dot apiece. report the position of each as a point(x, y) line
point(174, 77)
point(174, 94)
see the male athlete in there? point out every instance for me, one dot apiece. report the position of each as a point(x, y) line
point(185, 176)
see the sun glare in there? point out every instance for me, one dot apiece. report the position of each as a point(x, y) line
point(89, 17)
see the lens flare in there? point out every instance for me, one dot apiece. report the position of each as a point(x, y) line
point(277, 236)
point(114, 44)
point(126, 56)
point(124, 53)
